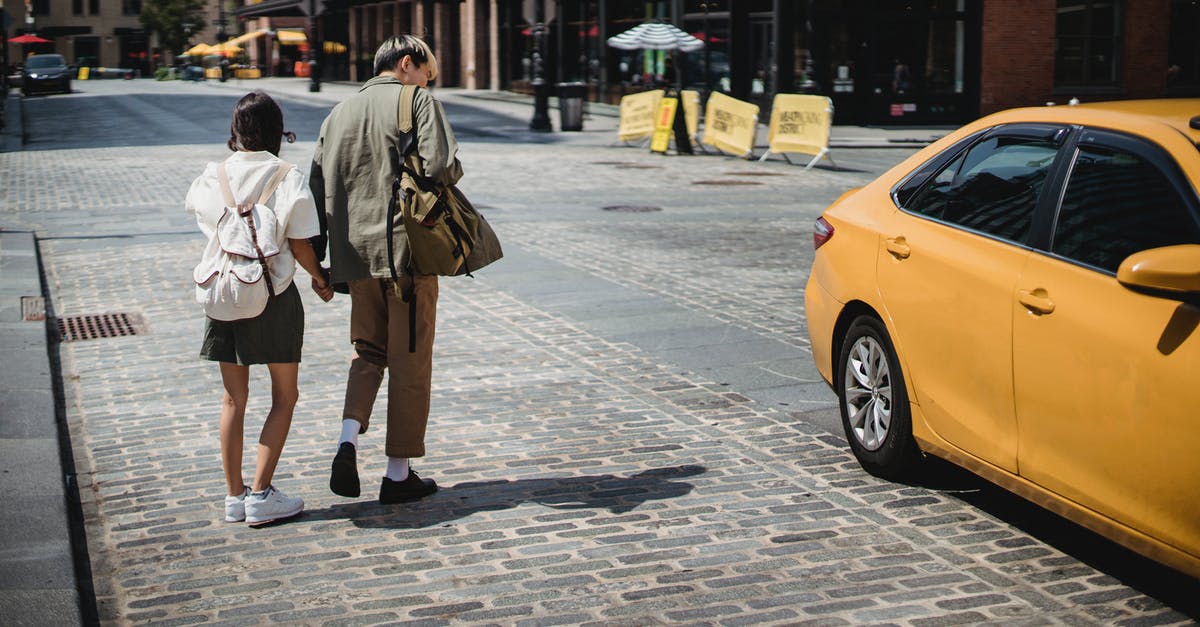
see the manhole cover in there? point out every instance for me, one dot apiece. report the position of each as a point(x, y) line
point(632, 208)
point(94, 326)
point(628, 165)
point(720, 182)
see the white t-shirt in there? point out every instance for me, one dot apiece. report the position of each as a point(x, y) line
point(292, 203)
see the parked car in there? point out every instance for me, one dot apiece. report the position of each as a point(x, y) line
point(45, 73)
point(1022, 298)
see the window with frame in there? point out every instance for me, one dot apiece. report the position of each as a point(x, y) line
point(992, 188)
point(94, 7)
point(1115, 204)
point(134, 7)
point(1088, 42)
point(77, 7)
point(40, 8)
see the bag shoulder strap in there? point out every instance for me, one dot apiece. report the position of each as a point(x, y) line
point(272, 184)
point(226, 191)
point(268, 189)
point(408, 95)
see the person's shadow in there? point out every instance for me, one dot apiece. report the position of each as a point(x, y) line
point(614, 493)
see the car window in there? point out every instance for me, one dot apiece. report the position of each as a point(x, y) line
point(44, 61)
point(992, 188)
point(1116, 204)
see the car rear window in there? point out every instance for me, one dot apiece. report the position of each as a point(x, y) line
point(992, 188)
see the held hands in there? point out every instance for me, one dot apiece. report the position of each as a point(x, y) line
point(320, 285)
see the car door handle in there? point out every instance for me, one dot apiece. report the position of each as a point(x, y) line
point(898, 247)
point(1037, 301)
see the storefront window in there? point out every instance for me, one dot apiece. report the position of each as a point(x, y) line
point(1087, 42)
point(1183, 48)
point(944, 56)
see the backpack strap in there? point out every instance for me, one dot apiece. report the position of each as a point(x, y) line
point(268, 189)
point(273, 183)
point(223, 179)
point(404, 121)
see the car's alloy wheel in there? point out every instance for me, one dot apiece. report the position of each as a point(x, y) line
point(874, 401)
point(868, 391)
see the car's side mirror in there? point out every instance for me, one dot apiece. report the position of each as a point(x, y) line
point(1169, 271)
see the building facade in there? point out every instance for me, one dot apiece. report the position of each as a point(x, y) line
point(102, 33)
point(880, 61)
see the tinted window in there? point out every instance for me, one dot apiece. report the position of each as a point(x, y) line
point(1117, 204)
point(992, 188)
point(46, 60)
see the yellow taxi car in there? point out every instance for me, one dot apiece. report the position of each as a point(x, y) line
point(1022, 298)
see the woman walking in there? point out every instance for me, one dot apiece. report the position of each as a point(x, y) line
point(273, 337)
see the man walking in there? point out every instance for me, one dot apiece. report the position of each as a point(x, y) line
point(358, 156)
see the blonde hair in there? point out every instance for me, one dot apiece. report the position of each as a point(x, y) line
point(397, 47)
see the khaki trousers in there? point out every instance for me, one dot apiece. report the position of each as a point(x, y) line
point(379, 329)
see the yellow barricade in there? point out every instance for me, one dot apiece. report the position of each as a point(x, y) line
point(84, 72)
point(212, 72)
point(247, 72)
point(691, 112)
point(664, 125)
point(638, 114)
point(730, 124)
point(800, 124)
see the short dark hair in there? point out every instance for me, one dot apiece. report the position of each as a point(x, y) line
point(257, 124)
point(392, 50)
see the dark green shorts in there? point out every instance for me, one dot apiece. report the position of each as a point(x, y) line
point(274, 337)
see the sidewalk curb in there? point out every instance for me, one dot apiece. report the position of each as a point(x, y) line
point(39, 583)
point(12, 136)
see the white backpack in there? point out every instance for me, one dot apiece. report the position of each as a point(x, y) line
point(233, 279)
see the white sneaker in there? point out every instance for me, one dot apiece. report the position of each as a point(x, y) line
point(235, 507)
point(270, 506)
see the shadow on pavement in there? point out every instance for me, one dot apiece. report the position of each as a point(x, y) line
point(1172, 588)
point(615, 493)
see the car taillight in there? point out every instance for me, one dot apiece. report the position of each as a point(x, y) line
point(822, 232)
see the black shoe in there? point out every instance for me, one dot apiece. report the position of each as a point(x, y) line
point(411, 489)
point(343, 480)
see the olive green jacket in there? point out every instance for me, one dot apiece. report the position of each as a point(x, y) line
point(355, 162)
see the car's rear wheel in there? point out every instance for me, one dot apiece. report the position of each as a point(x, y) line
point(874, 401)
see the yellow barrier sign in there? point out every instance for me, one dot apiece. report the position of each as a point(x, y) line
point(691, 112)
point(800, 123)
point(84, 71)
point(730, 124)
point(664, 125)
point(638, 115)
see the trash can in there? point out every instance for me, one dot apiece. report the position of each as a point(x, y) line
point(570, 105)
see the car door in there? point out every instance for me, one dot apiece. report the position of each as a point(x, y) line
point(1106, 382)
point(948, 263)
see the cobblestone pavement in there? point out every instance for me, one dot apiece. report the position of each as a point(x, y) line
point(597, 465)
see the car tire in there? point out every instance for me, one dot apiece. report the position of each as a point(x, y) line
point(873, 400)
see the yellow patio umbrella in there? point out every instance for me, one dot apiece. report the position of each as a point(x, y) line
point(225, 49)
point(198, 50)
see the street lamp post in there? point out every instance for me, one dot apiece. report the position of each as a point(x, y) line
point(541, 95)
point(314, 74)
point(707, 48)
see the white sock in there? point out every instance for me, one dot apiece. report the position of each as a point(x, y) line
point(350, 428)
point(397, 468)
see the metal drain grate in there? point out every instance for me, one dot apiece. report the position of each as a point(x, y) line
point(720, 182)
point(93, 326)
point(763, 173)
point(632, 208)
